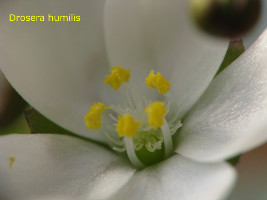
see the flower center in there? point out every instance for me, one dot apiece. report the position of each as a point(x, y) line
point(142, 128)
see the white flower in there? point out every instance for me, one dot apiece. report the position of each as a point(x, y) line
point(58, 68)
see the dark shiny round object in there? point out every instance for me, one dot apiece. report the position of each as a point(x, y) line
point(227, 18)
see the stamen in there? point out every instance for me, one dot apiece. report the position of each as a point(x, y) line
point(113, 117)
point(112, 140)
point(138, 125)
point(117, 77)
point(156, 113)
point(137, 99)
point(93, 118)
point(129, 99)
point(157, 81)
point(127, 126)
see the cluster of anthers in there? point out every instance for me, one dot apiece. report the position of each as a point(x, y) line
point(140, 124)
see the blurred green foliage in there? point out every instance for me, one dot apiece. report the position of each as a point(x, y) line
point(40, 124)
point(19, 125)
point(235, 49)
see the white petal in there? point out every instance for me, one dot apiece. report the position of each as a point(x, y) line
point(49, 197)
point(59, 165)
point(4, 92)
point(155, 34)
point(231, 117)
point(56, 66)
point(257, 30)
point(179, 178)
point(252, 176)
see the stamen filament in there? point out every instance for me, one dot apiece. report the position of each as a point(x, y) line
point(131, 153)
point(129, 99)
point(112, 140)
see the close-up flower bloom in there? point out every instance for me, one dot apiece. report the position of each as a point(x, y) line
point(141, 76)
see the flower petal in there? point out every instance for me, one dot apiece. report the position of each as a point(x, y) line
point(231, 116)
point(38, 165)
point(179, 178)
point(4, 93)
point(156, 34)
point(56, 66)
point(49, 197)
point(259, 28)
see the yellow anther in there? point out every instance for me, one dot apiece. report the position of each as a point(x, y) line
point(157, 81)
point(127, 126)
point(117, 76)
point(11, 161)
point(93, 118)
point(156, 112)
